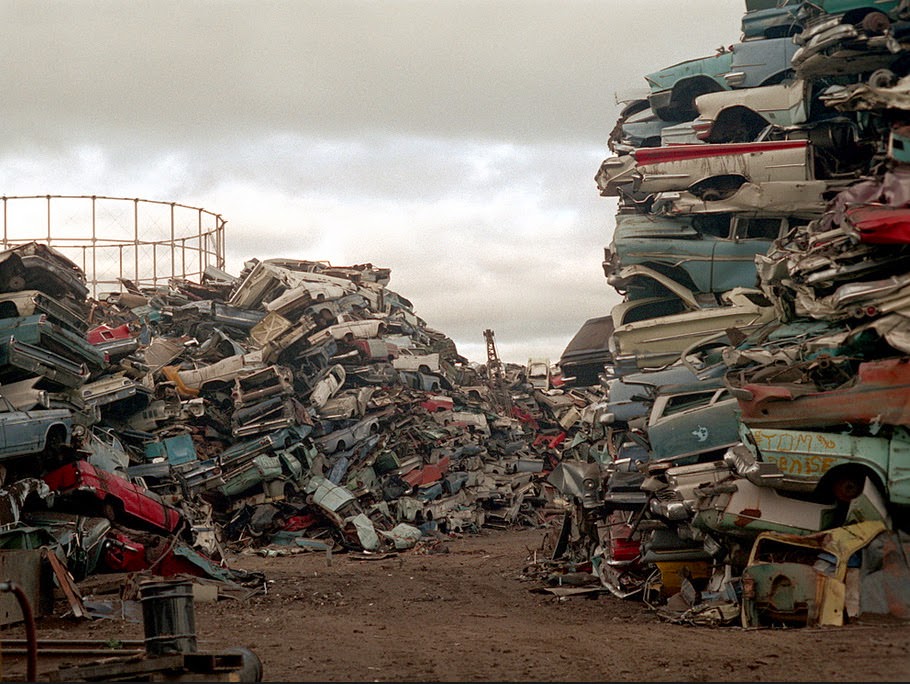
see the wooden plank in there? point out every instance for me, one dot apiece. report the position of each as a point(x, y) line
point(67, 585)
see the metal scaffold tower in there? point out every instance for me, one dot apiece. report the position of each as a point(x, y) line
point(496, 375)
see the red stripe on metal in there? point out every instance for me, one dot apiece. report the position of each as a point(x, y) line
point(671, 153)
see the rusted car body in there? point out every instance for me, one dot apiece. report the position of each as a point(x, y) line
point(328, 385)
point(880, 225)
point(704, 253)
point(656, 342)
point(740, 509)
point(118, 498)
point(705, 168)
point(23, 433)
point(219, 375)
point(348, 435)
point(251, 388)
point(792, 579)
point(741, 115)
point(827, 465)
point(34, 302)
point(771, 19)
point(790, 197)
point(36, 266)
point(587, 353)
point(845, 37)
point(878, 393)
point(271, 278)
point(348, 331)
point(691, 423)
point(743, 65)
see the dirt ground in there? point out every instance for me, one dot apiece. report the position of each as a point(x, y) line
point(468, 612)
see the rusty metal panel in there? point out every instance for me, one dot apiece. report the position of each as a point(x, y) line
point(22, 566)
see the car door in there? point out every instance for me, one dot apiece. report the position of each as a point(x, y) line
point(733, 260)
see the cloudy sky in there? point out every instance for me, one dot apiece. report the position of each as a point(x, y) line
point(452, 141)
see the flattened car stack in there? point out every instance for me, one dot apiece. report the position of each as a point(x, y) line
point(751, 428)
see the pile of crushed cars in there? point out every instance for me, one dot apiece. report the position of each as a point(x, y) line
point(297, 406)
point(748, 459)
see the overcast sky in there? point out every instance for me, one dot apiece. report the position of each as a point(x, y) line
point(453, 142)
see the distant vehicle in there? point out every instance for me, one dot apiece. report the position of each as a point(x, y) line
point(219, 375)
point(346, 437)
point(327, 386)
point(426, 363)
point(538, 371)
point(348, 331)
point(371, 349)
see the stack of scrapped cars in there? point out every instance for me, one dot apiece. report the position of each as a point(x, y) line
point(751, 434)
point(296, 406)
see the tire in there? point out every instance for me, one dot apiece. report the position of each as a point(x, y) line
point(847, 485)
point(110, 509)
point(875, 23)
point(882, 78)
point(55, 440)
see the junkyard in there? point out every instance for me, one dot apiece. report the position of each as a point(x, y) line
point(286, 474)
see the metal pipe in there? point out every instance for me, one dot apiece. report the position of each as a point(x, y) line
point(28, 615)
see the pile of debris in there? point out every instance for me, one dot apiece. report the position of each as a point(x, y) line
point(746, 459)
point(297, 406)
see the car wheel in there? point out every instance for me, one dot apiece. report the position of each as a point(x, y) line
point(847, 485)
point(15, 282)
point(882, 78)
point(110, 510)
point(875, 23)
point(55, 440)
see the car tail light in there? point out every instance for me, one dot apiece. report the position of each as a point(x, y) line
point(734, 79)
point(702, 128)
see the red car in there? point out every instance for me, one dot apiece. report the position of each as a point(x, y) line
point(78, 483)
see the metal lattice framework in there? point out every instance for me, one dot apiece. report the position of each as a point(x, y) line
point(147, 242)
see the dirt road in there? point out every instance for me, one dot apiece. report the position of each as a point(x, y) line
point(469, 614)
